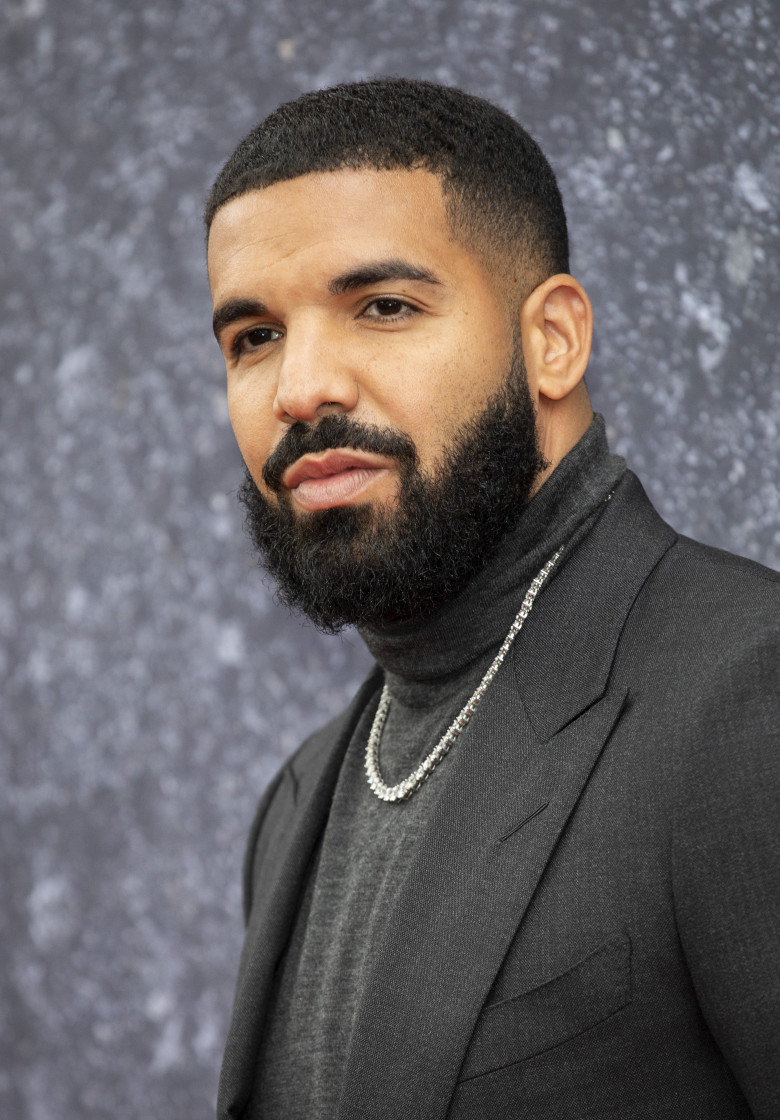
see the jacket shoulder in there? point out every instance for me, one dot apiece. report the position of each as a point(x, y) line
point(698, 558)
point(705, 591)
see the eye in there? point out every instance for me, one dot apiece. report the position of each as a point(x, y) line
point(255, 339)
point(389, 308)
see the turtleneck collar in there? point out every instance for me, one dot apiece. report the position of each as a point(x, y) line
point(477, 619)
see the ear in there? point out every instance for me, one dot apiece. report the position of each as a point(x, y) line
point(557, 329)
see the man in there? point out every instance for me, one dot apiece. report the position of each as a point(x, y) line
point(534, 870)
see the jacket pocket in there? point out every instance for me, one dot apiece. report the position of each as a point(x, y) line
point(528, 1024)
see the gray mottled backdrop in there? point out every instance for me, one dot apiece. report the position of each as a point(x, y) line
point(150, 686)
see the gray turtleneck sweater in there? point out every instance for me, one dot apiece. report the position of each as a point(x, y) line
point(431, 668)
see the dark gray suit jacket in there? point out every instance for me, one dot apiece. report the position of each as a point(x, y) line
point(591, 927)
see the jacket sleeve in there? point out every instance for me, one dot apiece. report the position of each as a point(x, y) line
point(726, 864)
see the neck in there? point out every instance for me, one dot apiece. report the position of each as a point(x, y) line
point(561, 424)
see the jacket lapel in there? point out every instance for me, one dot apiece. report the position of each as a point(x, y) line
point(293, 820)
point(507, 798)
point(514, 780)
point(563, 662)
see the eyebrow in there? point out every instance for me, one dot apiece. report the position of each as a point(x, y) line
point(233, 309)
point(377, 272)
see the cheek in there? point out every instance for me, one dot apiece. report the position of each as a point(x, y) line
point(443, 397)
point(254, 427)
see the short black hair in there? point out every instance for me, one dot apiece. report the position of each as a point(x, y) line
point(500, 192)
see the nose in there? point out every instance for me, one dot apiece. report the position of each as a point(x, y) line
point(314, 378)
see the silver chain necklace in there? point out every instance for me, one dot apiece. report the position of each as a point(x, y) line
point(410, 785)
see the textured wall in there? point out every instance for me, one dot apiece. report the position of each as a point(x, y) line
point(149, 683)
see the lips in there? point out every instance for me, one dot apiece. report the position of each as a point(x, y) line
point(333, 478)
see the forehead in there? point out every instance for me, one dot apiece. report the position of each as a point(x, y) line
point(319, 224)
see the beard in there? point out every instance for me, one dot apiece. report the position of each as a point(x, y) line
point(372, 566)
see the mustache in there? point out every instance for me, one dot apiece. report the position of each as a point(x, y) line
point(333, 432)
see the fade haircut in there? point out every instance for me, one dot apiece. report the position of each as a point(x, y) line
point(501, 195)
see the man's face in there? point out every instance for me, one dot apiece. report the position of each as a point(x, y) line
point(369, 354)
